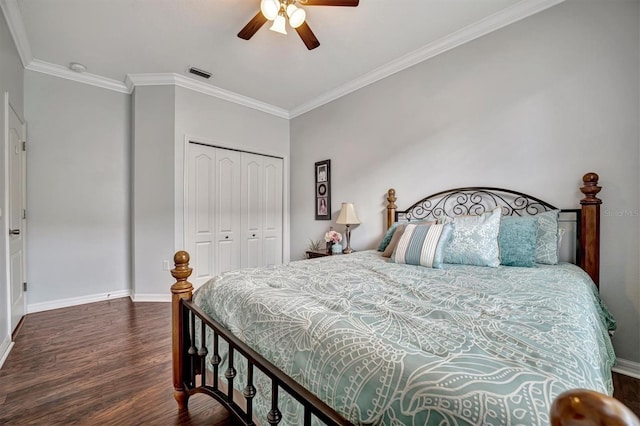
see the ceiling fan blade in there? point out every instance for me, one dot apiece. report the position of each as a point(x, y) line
point(348, 3)
point(253, 26)
point(307, 36)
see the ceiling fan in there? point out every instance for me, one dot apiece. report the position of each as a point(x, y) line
point(279, 11)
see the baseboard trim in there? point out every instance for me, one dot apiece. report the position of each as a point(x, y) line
point(73, 301)
point(628, 368)
point(151, 297)
point(5, 348)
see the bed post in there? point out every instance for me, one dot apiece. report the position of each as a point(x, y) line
point(590, 227)
point(391, 207)
point(182, 289)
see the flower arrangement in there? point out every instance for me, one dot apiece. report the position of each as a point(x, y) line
point(333, 237)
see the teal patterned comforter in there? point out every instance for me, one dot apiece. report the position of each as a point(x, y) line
point(391, 344)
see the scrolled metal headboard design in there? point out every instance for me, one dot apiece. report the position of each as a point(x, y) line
point(473, 201)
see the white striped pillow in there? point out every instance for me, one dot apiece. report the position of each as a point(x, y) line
point(422, 245)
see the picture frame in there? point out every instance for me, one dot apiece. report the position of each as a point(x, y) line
point(322, 178)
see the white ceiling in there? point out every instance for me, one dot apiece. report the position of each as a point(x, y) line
point(116, 38)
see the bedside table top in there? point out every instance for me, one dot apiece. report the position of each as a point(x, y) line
point(317, 253)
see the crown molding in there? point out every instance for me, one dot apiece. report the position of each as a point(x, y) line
point(80, 77)
point(16, 27)
point(471, 32)
point(134, 80)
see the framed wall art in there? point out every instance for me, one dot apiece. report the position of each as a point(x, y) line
point(322, 172)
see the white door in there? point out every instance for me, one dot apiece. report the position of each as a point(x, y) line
point(233, 210)
point(16, 216)
point(213, 211)
point(227, 210)
point(252, 208)
point(261, 210)
point(200, 205)
point(272, 211)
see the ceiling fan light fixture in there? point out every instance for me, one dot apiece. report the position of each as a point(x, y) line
point(279, 24)
point(296, 15)
point(270, 9)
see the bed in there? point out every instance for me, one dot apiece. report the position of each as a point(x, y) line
point(358, 339)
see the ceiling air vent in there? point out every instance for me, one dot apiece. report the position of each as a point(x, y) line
point(199, 72)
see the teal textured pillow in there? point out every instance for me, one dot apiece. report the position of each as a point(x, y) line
point(422, 245)
point(387, 237)
point(474, 240)
point(547, 240)
point(517, 241)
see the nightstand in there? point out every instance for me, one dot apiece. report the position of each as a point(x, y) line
point(312, 254)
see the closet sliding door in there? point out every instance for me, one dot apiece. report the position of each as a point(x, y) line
point(233, 210)
point(272, 211)
point(227, 210)
point(261, 210)
point(251, 190)
point(213, 211)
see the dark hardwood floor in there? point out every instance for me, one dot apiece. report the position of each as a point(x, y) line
point(110, 363)
point(101, 363)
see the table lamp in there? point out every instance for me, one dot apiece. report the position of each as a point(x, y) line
point(348, 217)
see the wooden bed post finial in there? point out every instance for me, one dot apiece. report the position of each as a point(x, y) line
point(391, 207)
point(590, 227)
point(181, 273)
point(182, 289)
point(590, 189)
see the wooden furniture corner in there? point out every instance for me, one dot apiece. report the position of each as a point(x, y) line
point(312, 254)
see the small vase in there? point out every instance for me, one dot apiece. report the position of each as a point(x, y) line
point(336, 248)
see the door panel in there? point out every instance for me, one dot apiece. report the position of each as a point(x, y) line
point(252, 209)
point(203, 199)
point(200, 208)
point(272, 216)
point(227, 210)
point(253, 255)
point(203, 268)
point(16, 219)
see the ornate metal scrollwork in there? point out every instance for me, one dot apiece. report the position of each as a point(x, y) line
point(473, 201)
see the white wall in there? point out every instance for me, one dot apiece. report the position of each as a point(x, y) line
point(153, 193)
point(77, 191)
point(530, 107)
point(10, 81)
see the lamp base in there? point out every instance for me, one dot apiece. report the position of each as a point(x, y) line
point(348, 249)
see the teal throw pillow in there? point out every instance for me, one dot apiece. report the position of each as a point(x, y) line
point(387, 237)
point(517, 241)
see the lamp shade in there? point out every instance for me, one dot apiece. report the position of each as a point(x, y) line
point(279, 25)
point(347, 215)
point(270, 8)
point(296, 15)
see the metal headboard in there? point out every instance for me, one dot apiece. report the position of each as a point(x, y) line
point(478, 200)
point(474, 201)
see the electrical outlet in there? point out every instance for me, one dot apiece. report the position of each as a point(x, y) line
point(165, 265)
